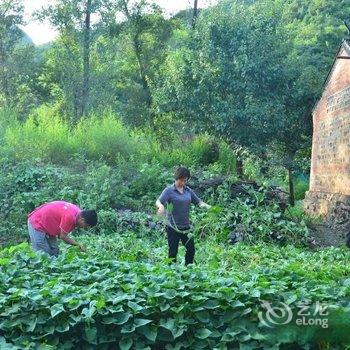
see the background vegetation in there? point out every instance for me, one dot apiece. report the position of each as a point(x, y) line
point(103, 114)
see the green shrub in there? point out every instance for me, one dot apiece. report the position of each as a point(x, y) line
point(149, 181)
point(301, 185)
point(175, 157)
point(43, 135)
point(104, 138)
point(46, 136)
point(176, 153)
point(7, 116)
point(23, 187)
point(148, 148)
point(102, 187)
point(252, 215)
point(203, 150)
point(227, 158)
point(251, 167)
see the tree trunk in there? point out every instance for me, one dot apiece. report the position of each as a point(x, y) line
point(195, 13)
point(76, 104)
point(239, 167)
point(3, 73)
point(138, 53)
point(143, 76)
point(291, 188)
point(86, 60)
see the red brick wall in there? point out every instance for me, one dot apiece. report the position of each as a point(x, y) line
point(330, 163)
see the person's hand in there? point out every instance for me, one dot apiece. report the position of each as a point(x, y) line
point(204, 205)
point(82, 248)
point(161, 210)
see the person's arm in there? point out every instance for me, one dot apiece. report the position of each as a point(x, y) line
point(161, 208)
point(64, 236)
point(163, 198)
point(196, 200)
point(68, 223)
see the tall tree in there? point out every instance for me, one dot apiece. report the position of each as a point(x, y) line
point(18, 61)
point(11, 15)
point(134, 16)
point(72, 19)
point(241, 79)
point(86, 58)
point(195, 13)
point(139, 35)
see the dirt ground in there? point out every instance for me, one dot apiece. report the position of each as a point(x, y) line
point(327, 234)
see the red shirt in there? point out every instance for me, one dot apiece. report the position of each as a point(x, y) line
point(53, 217)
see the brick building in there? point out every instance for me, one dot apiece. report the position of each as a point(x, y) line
point(330, 162)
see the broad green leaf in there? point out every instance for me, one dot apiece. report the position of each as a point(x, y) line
point(101, 302)
point(168, 324)
point(4, 261)
point(139, 322)
point(128, 328)
point(203, 333)
point(237, 304)
point(230, 336)
point(246, 311)
point(203, 316)
point(150, 332)
point(134, 306)
point(122, 318)
point(170, 294)
point(211, 304)
point(255, 293)
point(91, 335)
point(31, 324)
point(56, 310)
point(125, 344)
point(62, 328)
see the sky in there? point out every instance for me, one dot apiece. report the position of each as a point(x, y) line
point(42, 33)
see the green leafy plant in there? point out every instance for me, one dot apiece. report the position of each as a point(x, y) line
point(80, 301)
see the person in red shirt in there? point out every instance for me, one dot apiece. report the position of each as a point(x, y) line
point(57, 219)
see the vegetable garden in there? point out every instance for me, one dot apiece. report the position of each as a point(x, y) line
point(123, 294)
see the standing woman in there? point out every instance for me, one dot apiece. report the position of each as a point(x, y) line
point(180, 197)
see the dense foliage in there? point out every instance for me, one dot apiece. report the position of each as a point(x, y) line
point(96, 301)
point(136, 185)
point(249, 71)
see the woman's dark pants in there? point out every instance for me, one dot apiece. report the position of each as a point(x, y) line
point(174, 238)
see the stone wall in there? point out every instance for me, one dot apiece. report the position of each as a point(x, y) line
point(327, 205)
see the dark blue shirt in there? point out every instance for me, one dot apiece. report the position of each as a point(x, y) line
point(179, 216)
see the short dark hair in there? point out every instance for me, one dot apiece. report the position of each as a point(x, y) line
point(90, 217)
point(182, 173)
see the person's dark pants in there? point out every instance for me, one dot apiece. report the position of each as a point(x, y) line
point(348, 240)
point(174, 238)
